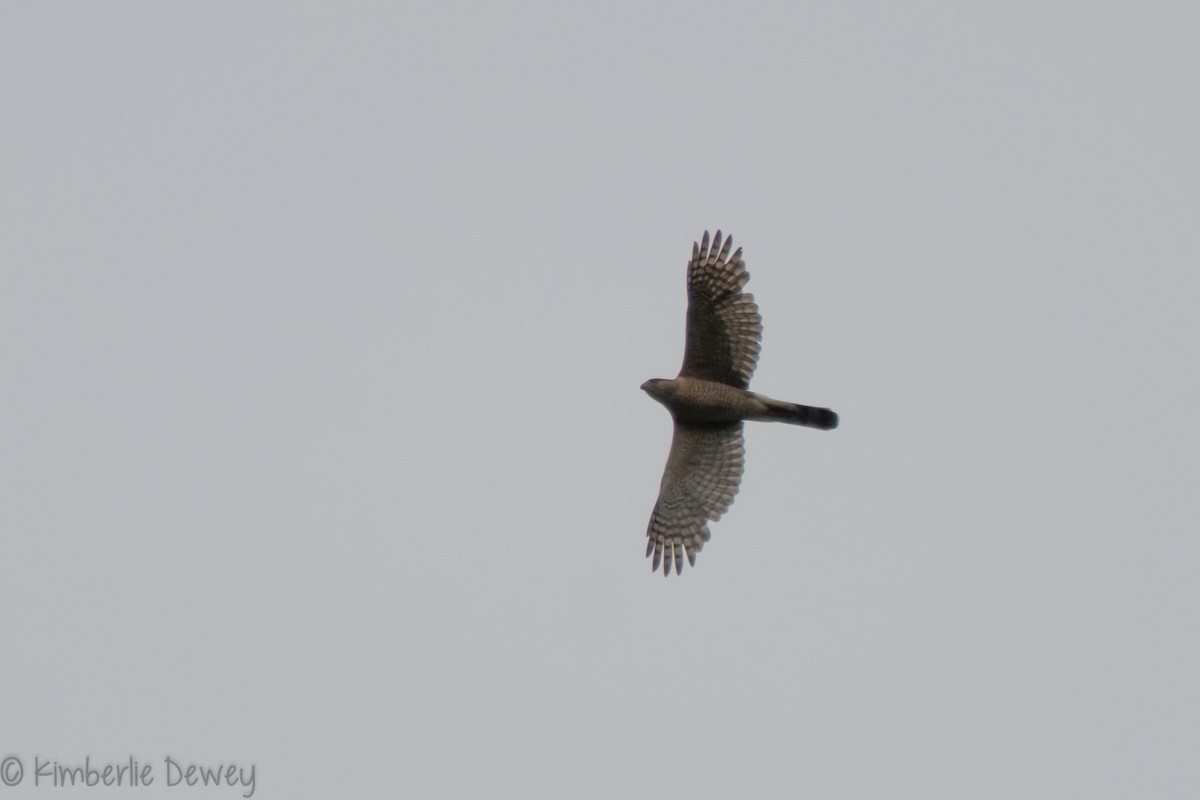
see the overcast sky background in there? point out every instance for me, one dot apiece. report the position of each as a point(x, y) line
point(323, 449)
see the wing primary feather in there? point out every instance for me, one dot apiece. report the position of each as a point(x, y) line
point(725, 248)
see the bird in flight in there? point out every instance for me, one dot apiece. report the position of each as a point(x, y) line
point(709, 401)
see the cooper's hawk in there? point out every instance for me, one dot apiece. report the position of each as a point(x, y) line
point(708, 402)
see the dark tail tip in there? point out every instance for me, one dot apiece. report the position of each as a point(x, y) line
point(813, 417)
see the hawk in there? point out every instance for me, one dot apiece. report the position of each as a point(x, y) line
point(709, 401)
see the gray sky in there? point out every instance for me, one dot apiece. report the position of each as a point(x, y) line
point(322, 333)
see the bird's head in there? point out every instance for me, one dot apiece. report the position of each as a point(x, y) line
point(659, 388)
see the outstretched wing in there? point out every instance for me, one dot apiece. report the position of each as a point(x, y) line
point(724, 328)
point(702, 476)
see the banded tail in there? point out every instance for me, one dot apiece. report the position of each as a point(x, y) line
point(796, 414)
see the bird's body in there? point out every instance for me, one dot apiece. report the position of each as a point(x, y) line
point(698, 400)
point(709, 401)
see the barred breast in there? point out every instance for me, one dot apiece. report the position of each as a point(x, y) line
point(698, 400)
